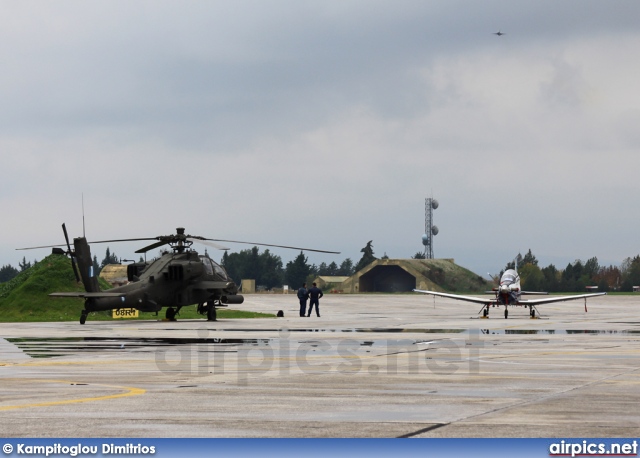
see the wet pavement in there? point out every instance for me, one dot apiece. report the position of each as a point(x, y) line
point(371, 366)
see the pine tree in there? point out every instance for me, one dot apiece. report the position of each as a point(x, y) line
point(109, 259)
point(297, 271)
point(346, 268)
point(24, 265)
point(367, 256)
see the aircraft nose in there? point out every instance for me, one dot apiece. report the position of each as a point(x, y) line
point(504, 288)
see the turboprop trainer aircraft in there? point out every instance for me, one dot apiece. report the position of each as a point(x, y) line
point(508, 293)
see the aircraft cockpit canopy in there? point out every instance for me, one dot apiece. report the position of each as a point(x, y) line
point(211, 266)
point(508, 278)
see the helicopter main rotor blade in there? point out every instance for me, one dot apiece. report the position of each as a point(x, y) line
point(97, 241)
point(207, 242)
point(38, 247)
point(125, 240)
point(180, 238)
point(275, 246)
point(152, 246)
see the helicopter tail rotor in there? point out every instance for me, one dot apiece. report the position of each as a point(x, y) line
point(70, 253)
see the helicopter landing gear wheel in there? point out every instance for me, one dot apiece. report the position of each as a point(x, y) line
point(171, 314)
point(506, 314)
point(211, 313)
point(83, 317)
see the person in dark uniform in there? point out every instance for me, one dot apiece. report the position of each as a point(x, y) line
point(303, 295)
point(315, 294)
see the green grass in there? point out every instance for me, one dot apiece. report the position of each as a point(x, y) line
point(25, 298)
point(186, 313)
point(619, 293)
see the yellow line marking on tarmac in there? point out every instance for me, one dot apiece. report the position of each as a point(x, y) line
point(131, 391)
point(77, 363)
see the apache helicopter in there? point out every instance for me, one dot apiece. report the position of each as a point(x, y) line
point(175, 279)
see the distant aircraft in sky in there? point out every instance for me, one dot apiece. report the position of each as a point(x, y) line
point(499, 33)
point(508, 294)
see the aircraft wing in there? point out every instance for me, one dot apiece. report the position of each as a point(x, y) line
point(548, 300)
point(477, 300)
point(87, 295)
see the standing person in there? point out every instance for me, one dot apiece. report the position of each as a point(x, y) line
point(303, 295)
point(315, 293)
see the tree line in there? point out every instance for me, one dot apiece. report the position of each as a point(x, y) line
point(8, 272)
point(577, 275)
point(269, 271)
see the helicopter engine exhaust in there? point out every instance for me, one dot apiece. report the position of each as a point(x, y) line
point(232, 299)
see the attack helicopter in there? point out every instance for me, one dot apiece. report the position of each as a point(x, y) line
point(177, 278)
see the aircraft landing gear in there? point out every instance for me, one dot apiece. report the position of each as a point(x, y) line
point(171, 314)
point(485, 312)
point(83, 317)
point(506, 313)
point(211, 313)
point(532, 312)
point(209, 309)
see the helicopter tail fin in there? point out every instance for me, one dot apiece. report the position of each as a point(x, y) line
point(85, 265)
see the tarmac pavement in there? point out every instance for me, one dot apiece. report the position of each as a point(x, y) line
point(371, 366)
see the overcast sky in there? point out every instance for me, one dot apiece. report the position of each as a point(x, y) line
point(324, 124)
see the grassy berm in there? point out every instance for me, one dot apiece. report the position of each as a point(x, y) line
point(25, 298)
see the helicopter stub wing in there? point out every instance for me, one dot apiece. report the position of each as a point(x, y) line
point(211, 286)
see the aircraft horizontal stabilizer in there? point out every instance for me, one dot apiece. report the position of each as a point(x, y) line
point(87, 295)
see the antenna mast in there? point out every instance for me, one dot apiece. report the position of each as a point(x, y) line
point(430, 230)
point(84, 234)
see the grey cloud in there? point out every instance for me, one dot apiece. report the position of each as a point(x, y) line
point(355, 109)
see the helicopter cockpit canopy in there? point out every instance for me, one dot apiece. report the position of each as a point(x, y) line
point(210, 266)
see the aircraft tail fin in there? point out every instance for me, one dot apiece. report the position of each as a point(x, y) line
point(85, 265)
